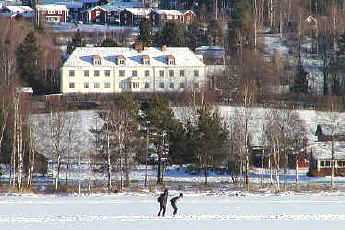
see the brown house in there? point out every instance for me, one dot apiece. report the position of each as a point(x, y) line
point(160, 17)
point(133, 16)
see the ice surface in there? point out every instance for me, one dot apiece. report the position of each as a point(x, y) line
point(196, 211)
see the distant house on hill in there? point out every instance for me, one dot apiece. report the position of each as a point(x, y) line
point(17, 11)
point(324, 136)
point(133, 16)
point(96, 15)
point(160, 17)
point(51, 13)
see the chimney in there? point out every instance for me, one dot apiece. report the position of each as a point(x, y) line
point(163, 47)
point(138, 46)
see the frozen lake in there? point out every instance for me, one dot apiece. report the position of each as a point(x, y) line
point(197, 212)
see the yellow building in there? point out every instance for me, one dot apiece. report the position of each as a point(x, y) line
point(119, 69)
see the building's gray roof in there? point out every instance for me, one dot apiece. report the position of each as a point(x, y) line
point(82, 56)
point(323, 150)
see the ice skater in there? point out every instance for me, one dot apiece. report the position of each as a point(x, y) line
point(173, 202)
point(163, 199)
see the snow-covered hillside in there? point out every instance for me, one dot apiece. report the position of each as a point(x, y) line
point(86, 120)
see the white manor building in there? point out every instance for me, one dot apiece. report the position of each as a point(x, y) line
point(119, 69)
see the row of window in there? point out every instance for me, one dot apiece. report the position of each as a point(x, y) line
point(122, 73)
point(328, 164)
point(96, 85)
point(134, 85)
point(54, 12)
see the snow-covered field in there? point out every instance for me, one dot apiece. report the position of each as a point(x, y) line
point(197, 211)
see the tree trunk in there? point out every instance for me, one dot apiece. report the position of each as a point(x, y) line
point(57, 178)
point(205, 173)
point(159, 170)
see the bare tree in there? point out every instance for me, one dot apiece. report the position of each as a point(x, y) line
point(284, 135)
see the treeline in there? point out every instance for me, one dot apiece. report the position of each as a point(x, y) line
point(27, 58)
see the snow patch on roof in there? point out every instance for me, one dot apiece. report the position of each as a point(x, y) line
point(183, 56)
point(52, 7)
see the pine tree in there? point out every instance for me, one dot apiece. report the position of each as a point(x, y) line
point(27, 55)
point(145, 32)
point(172, 34)
point(212, 137)
point(109, 43)
point(77, 41)
point(301, 81)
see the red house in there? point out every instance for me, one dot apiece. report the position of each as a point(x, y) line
point(97, 15)
point(51, 13)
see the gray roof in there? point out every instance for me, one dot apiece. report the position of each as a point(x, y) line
point(82, 56)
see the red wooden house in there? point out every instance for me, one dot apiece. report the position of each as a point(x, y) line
point(97, 15)
point(51, 13)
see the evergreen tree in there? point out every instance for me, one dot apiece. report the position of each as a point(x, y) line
point(216, 35)
point(172, 34)
point(145, 32)
point(27, 55)
point(77, 41)
point(301, 81)
point(109, 43)
point(212, 136)
point(164, 125)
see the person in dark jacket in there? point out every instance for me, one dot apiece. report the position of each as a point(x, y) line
point(163, 199)
point(173, 202)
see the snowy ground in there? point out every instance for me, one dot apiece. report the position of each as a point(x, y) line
point(197, 211)
point(90, 28)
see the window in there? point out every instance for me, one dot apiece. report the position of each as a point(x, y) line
point(161, 85)
point(171, 60)
point(121, 61)
point(71, 85)
point(161, 73)
point(134, 73)
point(107, 85)
point(86, 85)
point(171, 73)
point(135, 85)
point(182, 85)
point(86, 73)
point(325, 164)
point(96, 85)
point(146, 60)
point(147, 73)
point(122, 73)
point(96, 73)
point(181, 73)
point(107, 73)
point(196, 73)
point(341, 164)
point(97, 60)
point(71, 73)
point(147, 85)
point(171, 85)
point(196, 85)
